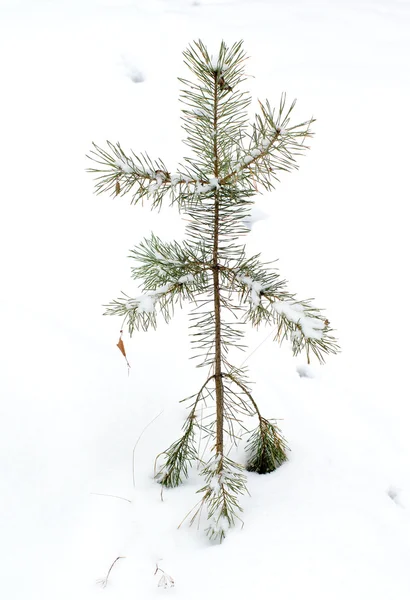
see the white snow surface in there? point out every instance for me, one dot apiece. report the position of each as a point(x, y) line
point(78, 434)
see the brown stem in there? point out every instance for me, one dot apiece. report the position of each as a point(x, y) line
point(104, 581)
point(262, 420)
point(247, 393)
point(217, 292)
point(229, 176)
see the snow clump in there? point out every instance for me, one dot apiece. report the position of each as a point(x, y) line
point(312, 327)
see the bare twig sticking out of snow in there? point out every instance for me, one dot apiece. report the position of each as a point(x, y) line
point(103, 582)
point(112, 496)
point(136, 444)
point(121, 346)
point(165, 581)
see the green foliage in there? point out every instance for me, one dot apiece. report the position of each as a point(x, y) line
point(178, 457)
point(230, 161)
point(266, 448)
point(224, 482)
point(170, 273)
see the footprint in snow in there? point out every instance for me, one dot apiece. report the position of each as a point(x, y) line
point(397, 495)
point(131, 70)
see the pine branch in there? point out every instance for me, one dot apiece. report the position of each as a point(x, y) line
point(120, 173)
point(179, 456)
point(183, 452)
point(266, 448)
point(271, 303)
point(216, 115)
point(306, 328)
point(140, 312)
point(271, 147)
point(224, 483)
point(159, 262)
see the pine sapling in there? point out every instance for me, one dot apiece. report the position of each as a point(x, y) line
point(232, 160)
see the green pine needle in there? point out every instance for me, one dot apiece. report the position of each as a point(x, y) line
point(266, 448)
point(224, 483)
point(178, 457)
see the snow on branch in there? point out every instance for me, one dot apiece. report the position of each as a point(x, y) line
point(140, 312)
point(224, 482)
point(254, 289)
point(158, 262)
point(168, 273)
point(253, 280)
point(271, 303)
point(305, 327)
point(310, 326)
point(119, 173)
point(146, 302)
point(208, 187)
point(272, 147)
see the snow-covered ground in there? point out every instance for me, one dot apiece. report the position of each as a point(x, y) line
point(332, 523)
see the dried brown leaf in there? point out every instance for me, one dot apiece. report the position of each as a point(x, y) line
point(121, 347)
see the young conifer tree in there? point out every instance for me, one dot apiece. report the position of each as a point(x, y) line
point(231, 162)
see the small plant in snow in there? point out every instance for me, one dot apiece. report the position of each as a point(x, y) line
point(165, 581)
point(104, 581)
point(215, 188)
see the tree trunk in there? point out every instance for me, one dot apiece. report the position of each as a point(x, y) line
point(217, 292)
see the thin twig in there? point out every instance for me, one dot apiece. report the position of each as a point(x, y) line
point(257, 348)
point(136, 444)
point(103, 582)
point(191, 511)
point(165, 580)
point(112, 496)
